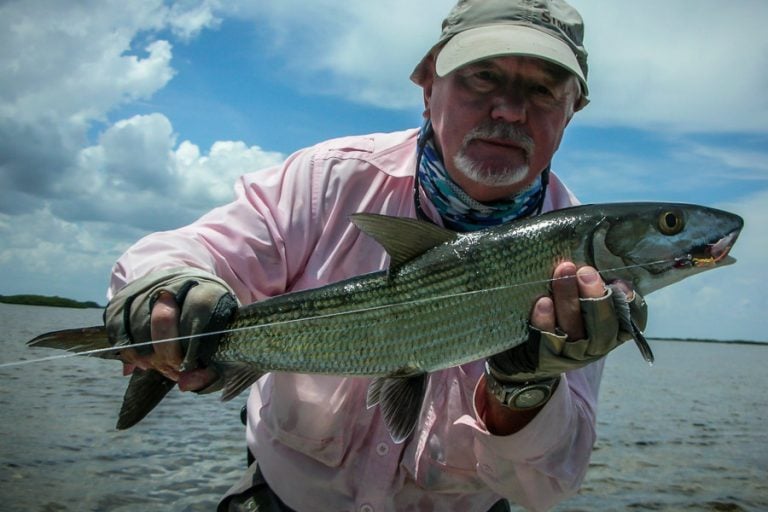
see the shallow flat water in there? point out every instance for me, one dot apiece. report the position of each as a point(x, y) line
point(688, 434)
point(60, 450)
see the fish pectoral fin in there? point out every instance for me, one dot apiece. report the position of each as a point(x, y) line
point(145, 390)
point(404, 239)
point(642, 344)
point(400, 399)
point(626, 323)
point(237, 376)
point(83, 339)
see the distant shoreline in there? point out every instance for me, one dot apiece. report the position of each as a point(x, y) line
point(45, 300)
point(704, 340)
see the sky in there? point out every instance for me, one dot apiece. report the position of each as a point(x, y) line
point(120, 118)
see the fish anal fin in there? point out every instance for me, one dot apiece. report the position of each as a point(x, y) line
point(400, 399)
point(145, 390)
point(373, 396)
point(237, 377)
point(404, 239)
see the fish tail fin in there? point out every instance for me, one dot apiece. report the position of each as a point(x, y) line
point(93, 341)
point(146, 389)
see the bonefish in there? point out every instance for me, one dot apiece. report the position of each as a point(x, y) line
point(446, 299)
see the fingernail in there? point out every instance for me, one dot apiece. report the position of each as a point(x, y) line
point(588, 276)
point(544, 307)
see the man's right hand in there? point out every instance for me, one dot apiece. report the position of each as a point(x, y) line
point(167, 305)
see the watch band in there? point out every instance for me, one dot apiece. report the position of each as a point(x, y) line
point(520, 396)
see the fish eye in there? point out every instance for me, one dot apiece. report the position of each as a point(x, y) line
point(671, 222)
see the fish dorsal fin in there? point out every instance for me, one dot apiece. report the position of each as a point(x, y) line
point(404, 239)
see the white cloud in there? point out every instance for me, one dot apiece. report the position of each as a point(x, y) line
point(676, 170)
point(383, 45)
point(72, 62)
point(662, 64)
point(658, 64)
point(135, 180)
point(138, 176)
point(361, 51)
point(187, 20)
point(755, 162)
point(208, 180)
point(41, 253)
point(65, 66)
point(132, 155)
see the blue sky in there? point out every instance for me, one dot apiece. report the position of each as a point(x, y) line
point(120, 118)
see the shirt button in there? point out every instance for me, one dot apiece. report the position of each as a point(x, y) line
point(382, 448)
point(366, 508)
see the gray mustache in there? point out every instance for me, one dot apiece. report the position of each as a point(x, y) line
point(504, 132)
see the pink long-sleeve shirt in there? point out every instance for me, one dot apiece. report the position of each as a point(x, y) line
point(317, 444)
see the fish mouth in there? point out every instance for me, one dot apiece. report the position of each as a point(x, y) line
point(711, 254)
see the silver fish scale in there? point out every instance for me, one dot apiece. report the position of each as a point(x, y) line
point(421, 317)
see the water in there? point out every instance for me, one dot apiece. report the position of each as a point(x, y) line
point(59, 450)
point(688, 434)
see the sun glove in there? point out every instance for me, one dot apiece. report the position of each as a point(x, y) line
point(205, 301)
point(609, 321)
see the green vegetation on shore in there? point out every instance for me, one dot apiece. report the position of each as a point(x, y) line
point(43, 300)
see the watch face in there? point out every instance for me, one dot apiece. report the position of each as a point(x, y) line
point(531, 397)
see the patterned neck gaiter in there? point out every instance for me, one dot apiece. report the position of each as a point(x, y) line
point(460, 212)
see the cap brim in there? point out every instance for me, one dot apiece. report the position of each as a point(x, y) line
point(506, 39)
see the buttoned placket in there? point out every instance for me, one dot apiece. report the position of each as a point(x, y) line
point(379, 473)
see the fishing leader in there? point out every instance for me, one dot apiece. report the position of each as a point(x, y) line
point(500, 86)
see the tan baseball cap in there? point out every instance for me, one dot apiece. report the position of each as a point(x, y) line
point(480, 29)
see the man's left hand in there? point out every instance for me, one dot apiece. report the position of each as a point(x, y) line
point(573, 327)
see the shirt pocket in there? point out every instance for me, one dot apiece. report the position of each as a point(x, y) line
point(444, 459)
point(448, 464)
point(314, 414)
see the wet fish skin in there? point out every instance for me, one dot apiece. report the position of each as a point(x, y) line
point(448, 298)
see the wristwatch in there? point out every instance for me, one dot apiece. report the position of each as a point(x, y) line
point(520, 396)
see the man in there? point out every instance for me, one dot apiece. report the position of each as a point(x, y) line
point(500, 87)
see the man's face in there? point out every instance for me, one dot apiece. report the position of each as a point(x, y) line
point(499, 121)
